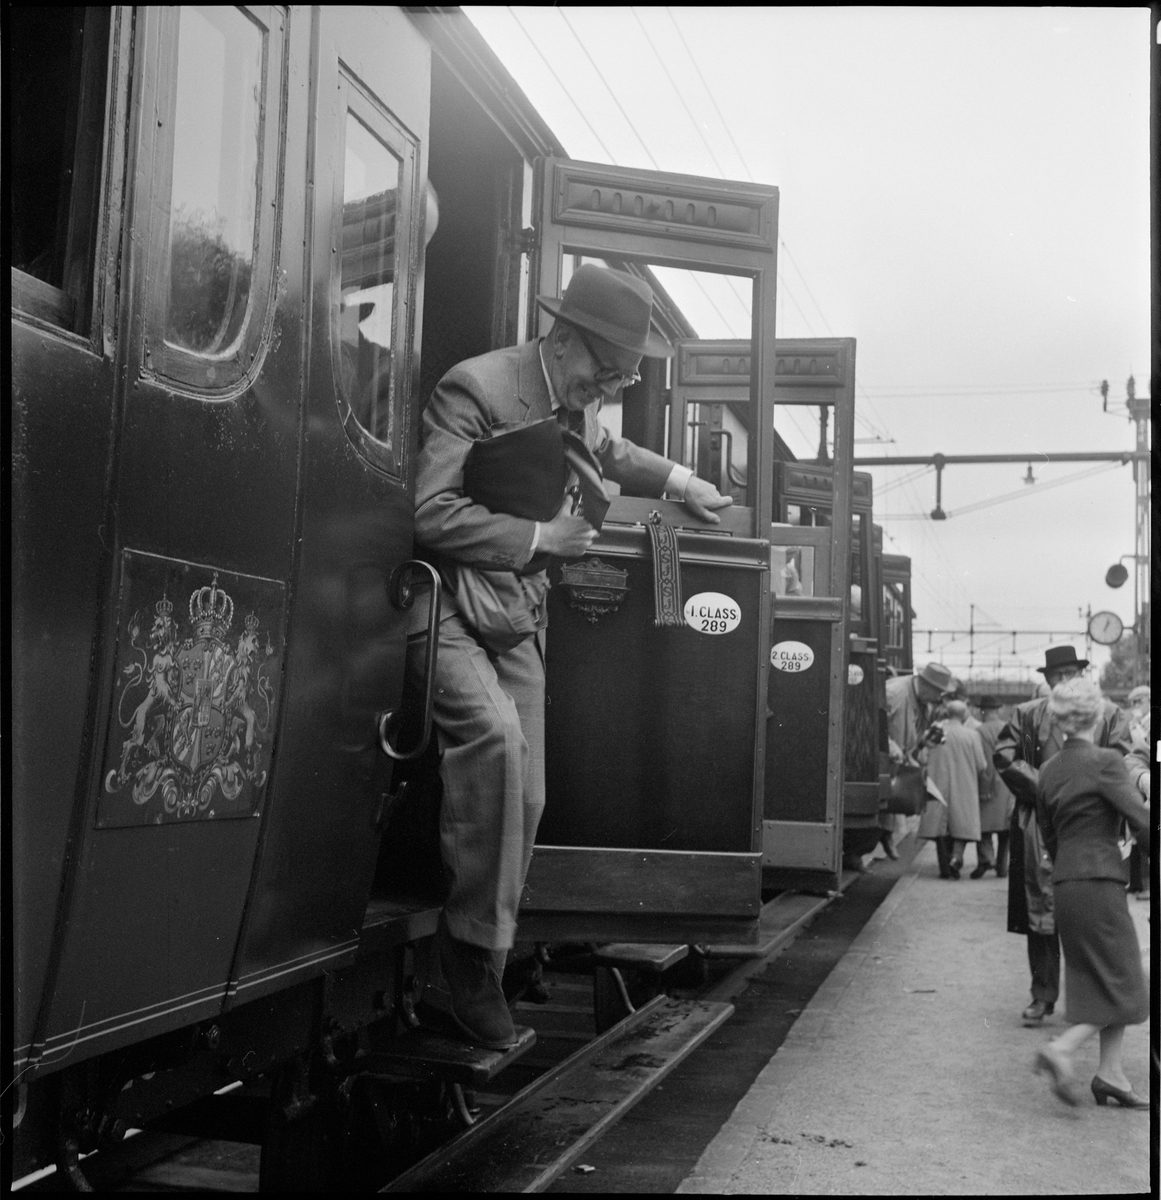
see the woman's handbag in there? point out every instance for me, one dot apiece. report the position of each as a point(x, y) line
point(908, 791)
point(501, 607)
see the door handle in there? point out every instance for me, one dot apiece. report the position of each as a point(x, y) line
point(401, 591)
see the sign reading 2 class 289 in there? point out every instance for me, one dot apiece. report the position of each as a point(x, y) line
point(199, 660)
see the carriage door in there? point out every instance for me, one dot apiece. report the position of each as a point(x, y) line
point(813, 426)
point(655, 735)
point(201, 533)
point(367, 130)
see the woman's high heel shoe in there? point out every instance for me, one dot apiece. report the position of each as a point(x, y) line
point(1103, 1092)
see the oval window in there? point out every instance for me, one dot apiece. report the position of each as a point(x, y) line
point(217, 141)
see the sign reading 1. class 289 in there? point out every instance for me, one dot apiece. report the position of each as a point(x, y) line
point(712, 612)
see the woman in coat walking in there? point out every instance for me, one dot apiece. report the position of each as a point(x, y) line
point(955, 766)
point(1084, 794)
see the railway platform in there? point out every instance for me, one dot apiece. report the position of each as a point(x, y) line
point(910, 1071)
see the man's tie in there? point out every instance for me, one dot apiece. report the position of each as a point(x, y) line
point(574, 422)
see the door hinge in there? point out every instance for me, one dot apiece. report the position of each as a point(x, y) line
point(524, 241)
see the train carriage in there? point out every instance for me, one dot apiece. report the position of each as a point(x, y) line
point(246, 243)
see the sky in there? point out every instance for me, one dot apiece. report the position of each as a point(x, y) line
point(966, 193)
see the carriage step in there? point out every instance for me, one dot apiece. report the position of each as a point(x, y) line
point(526, 1144)
point(780, 919)
point(639, 956)
point(424, 1054)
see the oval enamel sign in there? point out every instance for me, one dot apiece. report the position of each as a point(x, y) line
point(791, 656)
point(711, 612)
point(854, 674)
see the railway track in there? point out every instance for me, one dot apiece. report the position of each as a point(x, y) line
point(537, 1117)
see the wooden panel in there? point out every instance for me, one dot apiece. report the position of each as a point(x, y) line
point(798, 727)
point(811, 484)
point(804, 844)
point(808, 608)
point(680, 207)
point(861, 799)
point(862, 722)
point(670, 883)
point(651, 733)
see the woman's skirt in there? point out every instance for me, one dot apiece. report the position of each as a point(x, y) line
point(1103, 980)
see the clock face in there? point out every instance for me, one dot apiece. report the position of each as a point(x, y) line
point(1105, 628)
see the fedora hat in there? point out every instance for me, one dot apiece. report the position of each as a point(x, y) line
point(986, 702)
point(613, 305)
point(938, 676)
point(1061, 656)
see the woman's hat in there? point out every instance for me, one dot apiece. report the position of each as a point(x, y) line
point(1140, 693)
point(1056, 657)
point(614, 306)
point(938, 676)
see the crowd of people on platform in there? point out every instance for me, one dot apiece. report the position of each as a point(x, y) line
point(1062, 782)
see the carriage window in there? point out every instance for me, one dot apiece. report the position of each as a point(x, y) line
point(792, 570)
point(893, 611)
point(372, 178)
point(58, 68)
point(217, 141)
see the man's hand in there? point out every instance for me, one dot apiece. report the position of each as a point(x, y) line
point(702, 499)
point(566, 536)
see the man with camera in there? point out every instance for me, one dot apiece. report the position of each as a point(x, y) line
point(911, 701)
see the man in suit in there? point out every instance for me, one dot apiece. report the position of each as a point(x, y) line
point(996, 802)
point(1024, 745)
point(489, 707)
point(911, 701)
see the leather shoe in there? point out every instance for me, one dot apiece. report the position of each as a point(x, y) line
point(1049, 1059)
point(1036, 1012)
point(980, 871)
point(476, 996)
point(1103, 1092)
point(953, 867)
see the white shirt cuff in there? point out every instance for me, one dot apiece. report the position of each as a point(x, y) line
point(676, 484)
point(535, 539)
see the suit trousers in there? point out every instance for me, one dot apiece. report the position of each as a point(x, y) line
point(1044, 963)
point(489, 718)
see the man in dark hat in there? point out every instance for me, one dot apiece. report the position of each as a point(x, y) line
point(489, 705)
point(1024, 745)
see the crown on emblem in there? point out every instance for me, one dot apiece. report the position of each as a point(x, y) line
point(211, 611)
point(251, 623)
point(164, 606)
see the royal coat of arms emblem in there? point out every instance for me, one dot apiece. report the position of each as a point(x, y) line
point(194, 707)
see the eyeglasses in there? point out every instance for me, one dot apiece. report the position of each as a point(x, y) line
point(605, 374)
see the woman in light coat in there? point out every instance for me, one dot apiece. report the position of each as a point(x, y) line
point(955, 766)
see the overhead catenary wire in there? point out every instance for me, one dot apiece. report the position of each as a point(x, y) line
point(935, 547)
point(560, 83)
point(991, 501)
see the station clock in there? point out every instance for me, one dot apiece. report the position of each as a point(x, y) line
point(1105, 628)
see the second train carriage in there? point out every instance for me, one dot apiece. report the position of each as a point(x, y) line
point(246, 242)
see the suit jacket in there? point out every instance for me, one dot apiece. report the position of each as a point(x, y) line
point(1084, 793)
point(1031, 738)
point(996, 801)
point(473, 400)
point(908, 717)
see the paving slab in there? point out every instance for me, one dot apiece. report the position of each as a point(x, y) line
point(910, 1072)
